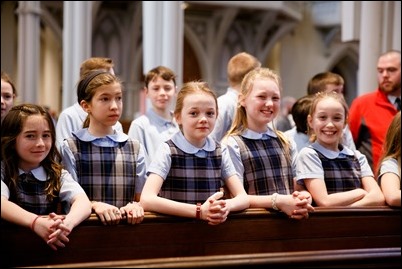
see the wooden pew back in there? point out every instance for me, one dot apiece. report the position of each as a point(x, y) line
point(339, 258)
point(249, 232)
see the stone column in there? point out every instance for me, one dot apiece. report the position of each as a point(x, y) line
point(163, 30)
point(77, 40)
point(370, 45)
point(28, 50)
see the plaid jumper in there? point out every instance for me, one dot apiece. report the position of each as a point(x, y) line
point(192, 179)
point(266, 168)
point(107, 174)
point(341, 174)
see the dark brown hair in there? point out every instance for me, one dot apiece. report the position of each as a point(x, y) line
point(160, 71)
point(11, 127)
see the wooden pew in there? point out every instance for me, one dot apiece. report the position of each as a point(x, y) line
point(339, 258)
point(250, 232)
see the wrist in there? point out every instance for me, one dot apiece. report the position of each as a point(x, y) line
point(33, 223)
point(198, 211)
point(93, 205)
point(273, 201)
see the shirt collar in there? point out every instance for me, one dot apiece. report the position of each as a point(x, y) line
point(39, 173)
point(250, 134)
point(84, 135)
point(181, 142)
point(392, 99)
point(330, 154)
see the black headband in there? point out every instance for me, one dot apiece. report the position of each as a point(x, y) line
point(82, 86)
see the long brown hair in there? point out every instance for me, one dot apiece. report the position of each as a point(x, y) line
point(11, 127)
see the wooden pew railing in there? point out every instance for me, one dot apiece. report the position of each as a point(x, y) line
point(254, 231)
point(339, 258)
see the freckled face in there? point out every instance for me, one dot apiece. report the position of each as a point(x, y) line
point(197, 117)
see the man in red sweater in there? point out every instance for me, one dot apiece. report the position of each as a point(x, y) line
point(371, 114)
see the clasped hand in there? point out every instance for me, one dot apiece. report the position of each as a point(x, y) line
point(214, 210)
point(297, 206)
point(112, 215)
point(53, 230)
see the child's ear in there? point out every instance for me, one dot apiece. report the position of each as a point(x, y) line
point(84, 106)
point(178, 118)
point(240, 99)
point(309, 121)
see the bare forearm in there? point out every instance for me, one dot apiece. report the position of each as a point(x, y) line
point(80, 211)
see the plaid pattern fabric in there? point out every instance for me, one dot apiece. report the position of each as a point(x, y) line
point(266, 169)
point(341, 174)
point(192, 179)
point(30, 194)
point(107, 174)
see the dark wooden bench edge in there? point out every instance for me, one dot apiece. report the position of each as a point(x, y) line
point(381, 257)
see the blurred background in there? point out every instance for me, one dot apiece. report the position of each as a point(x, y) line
point(44, 42)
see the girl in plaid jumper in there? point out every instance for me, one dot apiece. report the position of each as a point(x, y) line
point(33, 182)
point(334, 174)
point(185, 177)
point(264, 158)
point(108, 164)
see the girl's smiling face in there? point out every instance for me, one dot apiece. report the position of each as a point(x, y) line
point(262, 104)
point(34, 142)
point(327, 122)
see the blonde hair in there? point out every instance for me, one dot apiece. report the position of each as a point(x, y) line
point(240, 124)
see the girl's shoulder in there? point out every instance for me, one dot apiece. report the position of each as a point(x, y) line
point(307, 152)
point(390, 162)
